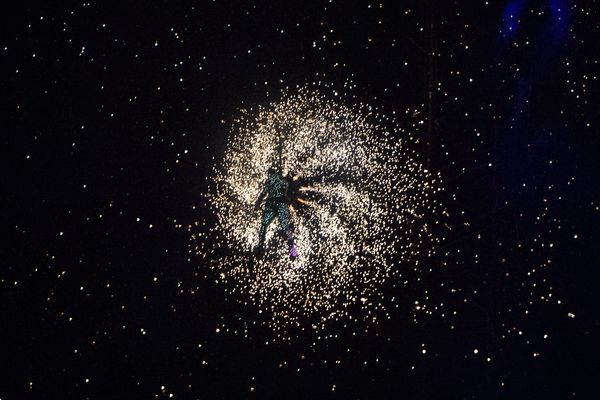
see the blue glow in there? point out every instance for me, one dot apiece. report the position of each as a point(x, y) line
point(559, 13)
point(560, 18)
point(510, 17)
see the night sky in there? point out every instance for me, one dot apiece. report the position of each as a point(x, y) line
point(114, 118)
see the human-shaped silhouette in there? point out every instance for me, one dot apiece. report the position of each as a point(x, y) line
point(276, 204)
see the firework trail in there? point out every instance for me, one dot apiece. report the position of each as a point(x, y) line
point(361, 207)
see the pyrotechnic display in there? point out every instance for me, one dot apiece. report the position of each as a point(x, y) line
point(359, 204)
point(300, 199)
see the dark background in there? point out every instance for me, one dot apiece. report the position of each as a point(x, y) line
point(98, 304)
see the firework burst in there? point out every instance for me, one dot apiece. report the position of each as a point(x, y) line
point(360, 204)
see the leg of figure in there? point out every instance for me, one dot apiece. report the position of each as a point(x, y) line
point(268, 216)
point(283, 213)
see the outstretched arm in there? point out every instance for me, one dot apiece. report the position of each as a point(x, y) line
point(261, 196)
